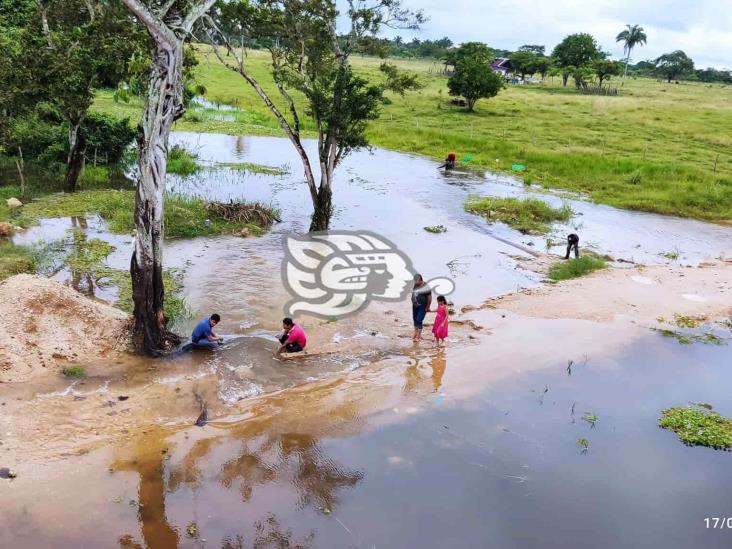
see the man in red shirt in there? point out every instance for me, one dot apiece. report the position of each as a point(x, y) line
point(293, 338)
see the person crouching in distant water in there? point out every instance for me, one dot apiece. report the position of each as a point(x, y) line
point(449, 162)
point(292, 338)
point(572, 242)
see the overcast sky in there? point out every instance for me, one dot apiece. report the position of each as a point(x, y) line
point(702, 28)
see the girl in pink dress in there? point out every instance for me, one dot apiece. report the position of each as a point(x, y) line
point(440, 328)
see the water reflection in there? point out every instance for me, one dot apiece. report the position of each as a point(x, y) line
point(418, 380)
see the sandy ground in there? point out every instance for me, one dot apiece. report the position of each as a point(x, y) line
point(640, 294)
point(45, 325)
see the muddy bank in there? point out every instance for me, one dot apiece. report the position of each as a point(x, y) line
point(45, 325)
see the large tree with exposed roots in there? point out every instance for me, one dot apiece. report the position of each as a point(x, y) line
point(170, 23)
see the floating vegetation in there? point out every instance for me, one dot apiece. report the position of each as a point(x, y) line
point(15, 260)
point(584, 445)
point(251, 167)
point(591, 419)
point(528, 216)
point(672, 256)
point(436, 229)
point(707, 338)
point(698, 425)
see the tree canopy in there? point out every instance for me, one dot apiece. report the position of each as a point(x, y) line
point(474, 78)
point(575, 52)
point(674, 64)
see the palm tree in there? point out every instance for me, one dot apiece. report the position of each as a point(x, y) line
point(632, 36)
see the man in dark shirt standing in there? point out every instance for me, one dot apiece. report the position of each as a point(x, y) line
point(421, 302)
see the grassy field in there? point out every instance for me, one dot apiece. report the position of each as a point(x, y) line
point(656, 147)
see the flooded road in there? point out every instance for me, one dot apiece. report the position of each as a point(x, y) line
point(377, 443)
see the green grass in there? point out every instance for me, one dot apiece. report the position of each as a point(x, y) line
point(175, 305)
point(251, 167)
point(652, 148)
point(436, 229)
point(575, 268)
point(181, 161)
point(698, 426)
point(15, 260)
point(529, 215)
point(74, 371)
point(184, 216)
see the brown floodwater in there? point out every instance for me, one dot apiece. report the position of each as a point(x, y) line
point(374, 442)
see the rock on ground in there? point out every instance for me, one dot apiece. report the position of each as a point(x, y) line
point(45, 325)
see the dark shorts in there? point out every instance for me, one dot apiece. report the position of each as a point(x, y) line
point(418, 314)
point(205, 344)
point(290, 347)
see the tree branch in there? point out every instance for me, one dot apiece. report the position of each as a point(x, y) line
point(155, 26)
point(197, 11)
point(44, 24)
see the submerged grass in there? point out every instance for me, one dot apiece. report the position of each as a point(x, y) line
point(251, 167)
point(15, 260)
point(698, 426)
point(575, 268)
point(527, 215)
point(185, 216)
point(74, 371)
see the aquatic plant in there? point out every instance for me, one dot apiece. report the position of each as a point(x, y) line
point(591, 419)
point(575, 268)
point(251, 167)
point(74, 371)
point(672, 255)
point(584, 445)
point(436, 229)
point(527, 215)
point(181, 161)
point(698, 425)
point(708, 338)
point(244, 212)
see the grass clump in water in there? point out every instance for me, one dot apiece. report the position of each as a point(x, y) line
point(15, 260)
point(74, 371)
point(185, 216)
point(528, 215)
point(181, 161)
point(698, 426)
point(575, 268)
point(252, 168)
point(436, 229)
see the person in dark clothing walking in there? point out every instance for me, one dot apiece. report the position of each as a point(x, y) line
point(572, 242)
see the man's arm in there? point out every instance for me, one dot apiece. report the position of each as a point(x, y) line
point(214, 337)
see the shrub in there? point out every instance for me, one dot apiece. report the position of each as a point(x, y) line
point(529, 215)
point(575, 268)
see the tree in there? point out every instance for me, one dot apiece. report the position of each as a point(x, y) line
point(674, 64)
point(66, 49)
point(575, 51)
point(474, 79)
point(476, 51)
point(169, 24)
point(311, 58)
point(606, 68)
point(543, 65)
point(632, 36)
point(525, 63)
point(533, 48)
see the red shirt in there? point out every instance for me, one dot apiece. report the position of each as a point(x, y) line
point(297, 335)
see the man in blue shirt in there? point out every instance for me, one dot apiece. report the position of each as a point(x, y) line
point(203, 335)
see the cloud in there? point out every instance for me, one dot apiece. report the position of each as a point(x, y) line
point(701, 28)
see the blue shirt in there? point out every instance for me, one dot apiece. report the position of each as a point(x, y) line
point(201, 331)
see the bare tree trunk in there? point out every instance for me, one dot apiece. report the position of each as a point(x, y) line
point(627, 60)
point(75, 160)
point(164, 105)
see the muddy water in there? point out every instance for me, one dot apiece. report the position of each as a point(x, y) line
point(391, 193)
point(437, 449)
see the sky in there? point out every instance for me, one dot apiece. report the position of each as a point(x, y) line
point(701, 28)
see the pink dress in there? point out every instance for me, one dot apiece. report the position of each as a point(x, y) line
point(440, 327)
